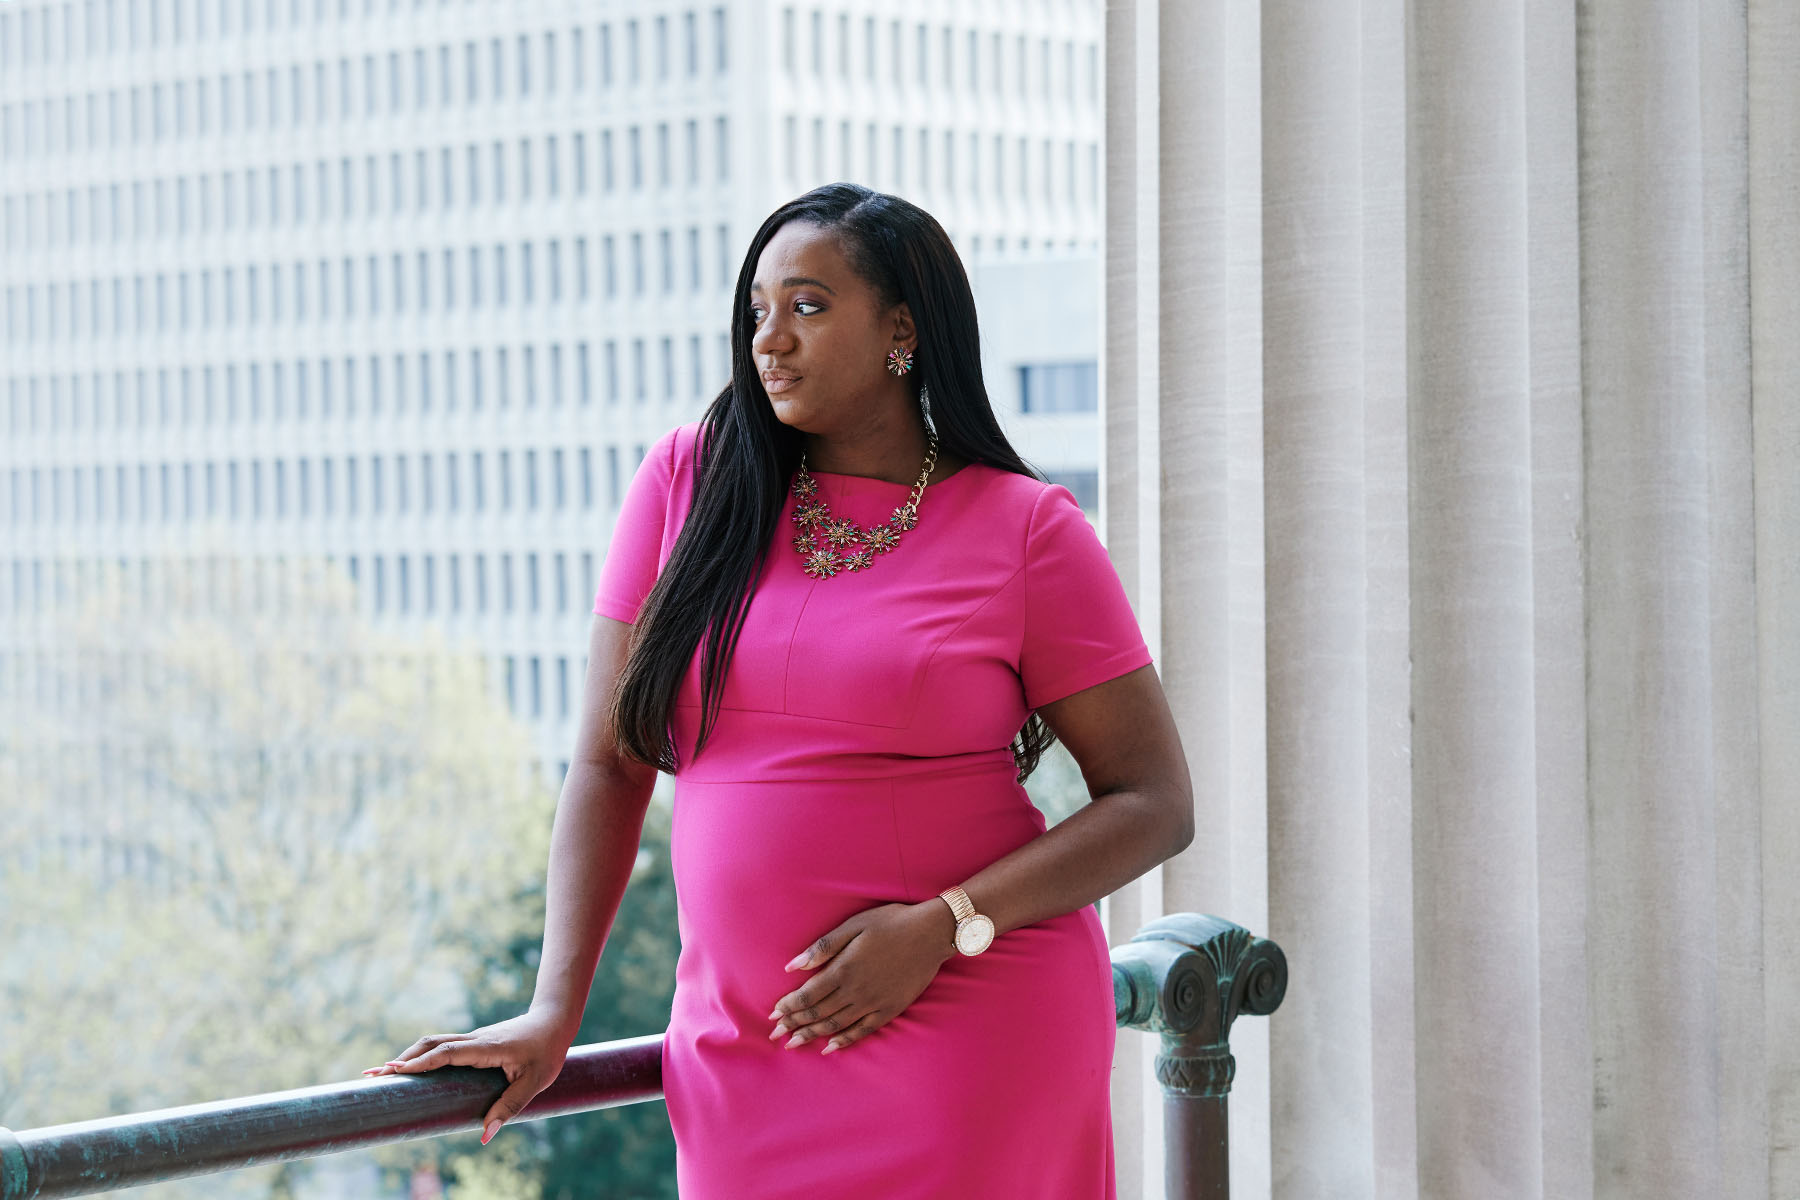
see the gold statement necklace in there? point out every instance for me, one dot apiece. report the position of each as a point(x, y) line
point(839, 535)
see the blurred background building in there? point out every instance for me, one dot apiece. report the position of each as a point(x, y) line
point(410, 286)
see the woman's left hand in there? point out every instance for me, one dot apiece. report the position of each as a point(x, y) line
point(874, 965)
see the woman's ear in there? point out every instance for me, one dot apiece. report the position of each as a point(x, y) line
point(905, 335)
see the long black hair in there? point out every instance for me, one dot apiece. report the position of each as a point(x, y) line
point(747, 459)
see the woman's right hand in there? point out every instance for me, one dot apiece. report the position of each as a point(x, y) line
point(530, 1048)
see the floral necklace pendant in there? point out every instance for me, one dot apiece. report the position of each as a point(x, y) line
point(831, 544)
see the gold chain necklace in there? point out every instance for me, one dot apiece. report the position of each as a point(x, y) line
point(814, 517)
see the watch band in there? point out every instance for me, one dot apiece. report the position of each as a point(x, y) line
point(959, 902)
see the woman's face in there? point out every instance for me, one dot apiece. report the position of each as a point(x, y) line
point(821, 337)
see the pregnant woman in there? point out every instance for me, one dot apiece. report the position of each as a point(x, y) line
point(847, 618)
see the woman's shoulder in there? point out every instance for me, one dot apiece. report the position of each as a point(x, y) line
point(1016, 494)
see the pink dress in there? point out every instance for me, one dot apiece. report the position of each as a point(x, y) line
point(861, 758)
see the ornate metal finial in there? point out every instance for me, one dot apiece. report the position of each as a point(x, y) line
point(1187, 977)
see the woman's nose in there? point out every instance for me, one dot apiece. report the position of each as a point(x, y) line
point(773, 334)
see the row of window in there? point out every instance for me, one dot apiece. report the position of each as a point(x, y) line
point(1065, 172)
point(475, 277)
point(389, 584)
point(413, 182)
point(194, 397)
point(536, 686)
point(305, 488)
point(502, 67)
point(369, 387)
point(1018, 64)
point(1009, 62)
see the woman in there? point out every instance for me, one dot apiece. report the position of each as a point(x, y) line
point(892, 982)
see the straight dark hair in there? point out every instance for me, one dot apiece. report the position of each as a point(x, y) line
point(747, 459)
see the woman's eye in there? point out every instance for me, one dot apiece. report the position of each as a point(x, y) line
point(756, 312)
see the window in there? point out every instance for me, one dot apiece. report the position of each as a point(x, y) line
point(1058, 387)
point(1084, 485)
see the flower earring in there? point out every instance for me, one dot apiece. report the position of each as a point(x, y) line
point(899, 361)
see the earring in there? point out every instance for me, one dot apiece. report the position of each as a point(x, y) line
point(899, 361)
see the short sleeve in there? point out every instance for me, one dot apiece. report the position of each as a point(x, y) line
point(633, 557)
point(1079, 627)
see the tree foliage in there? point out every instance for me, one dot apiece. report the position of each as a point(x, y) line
point(254, 846)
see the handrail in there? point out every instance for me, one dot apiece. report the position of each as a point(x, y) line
point(1185, 977)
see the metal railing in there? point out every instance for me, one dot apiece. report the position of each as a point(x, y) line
point(1185, 977)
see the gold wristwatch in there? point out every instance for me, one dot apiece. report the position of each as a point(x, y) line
point(974, 932)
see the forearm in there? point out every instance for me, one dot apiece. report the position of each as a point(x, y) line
point(593, 846)
point(1094, 852)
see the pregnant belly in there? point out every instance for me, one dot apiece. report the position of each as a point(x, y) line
point(762, 869)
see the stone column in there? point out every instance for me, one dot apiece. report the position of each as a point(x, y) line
point(1317, 603)
point(1773, 168)
point(1651, 780)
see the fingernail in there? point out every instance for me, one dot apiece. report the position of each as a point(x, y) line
point(793, 1041)
point(493, 1127)
point(829, 1047)
point(775, 1015)
point(798, 962)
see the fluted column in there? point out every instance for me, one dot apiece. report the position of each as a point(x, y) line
point(1511, 519)
point(1650, 764)
point(1209, 451)
point(1474, 747)
point(1773, 168)
point(1130, 498)
point(1314, 326)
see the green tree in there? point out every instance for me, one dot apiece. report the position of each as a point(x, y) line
point(257, 845)
point(623, 1153)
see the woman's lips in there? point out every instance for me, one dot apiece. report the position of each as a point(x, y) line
point(780, 383)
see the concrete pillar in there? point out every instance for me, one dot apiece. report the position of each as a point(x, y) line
point(1452, 404)
point(1651, 785)
point(1130, 498)
point(1773, 168)
point(1316, 579)
point(1474, 748)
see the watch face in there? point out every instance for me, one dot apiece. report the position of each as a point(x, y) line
point(974, 934)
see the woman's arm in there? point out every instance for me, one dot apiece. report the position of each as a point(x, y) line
point(1123, 737)
point(593, 846)
point(594, 842)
